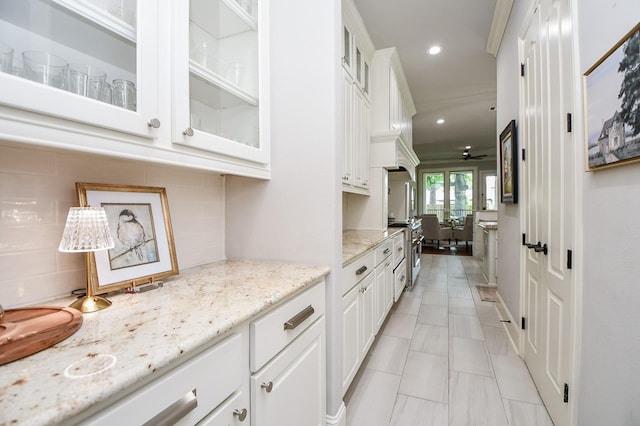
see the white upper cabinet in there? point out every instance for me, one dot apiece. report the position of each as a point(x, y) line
point(356, 56)
point(178, 82)
point(392, 104)
point(87, 62)
point(218, 91)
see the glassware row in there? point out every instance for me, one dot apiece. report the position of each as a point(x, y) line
point(81, 79)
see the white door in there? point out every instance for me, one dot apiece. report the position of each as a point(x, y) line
point(548, 186)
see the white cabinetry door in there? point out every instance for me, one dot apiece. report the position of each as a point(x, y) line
point(290, 389)
point(367, 310)
point(350, 336)
point(65, 52)
point(388, 286)
point(362, 139)
point(219, 93)
point(347, 169)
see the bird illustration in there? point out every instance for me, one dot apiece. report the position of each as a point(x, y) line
point(131, 233)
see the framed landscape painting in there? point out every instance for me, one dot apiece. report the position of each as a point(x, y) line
point(612, 105)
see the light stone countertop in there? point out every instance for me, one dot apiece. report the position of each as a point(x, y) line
point(355, 242)
point(142, 333)
point(491, 225)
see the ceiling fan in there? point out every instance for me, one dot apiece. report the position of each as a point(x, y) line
point(466, 155)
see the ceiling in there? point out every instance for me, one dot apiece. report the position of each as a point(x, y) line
point(457, 85)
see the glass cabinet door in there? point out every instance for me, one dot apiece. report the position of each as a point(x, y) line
point(82, 60)
point(217, 90)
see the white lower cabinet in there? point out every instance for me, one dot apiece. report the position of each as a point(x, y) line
point(271, 371)
point(368, 313)
point(368, 295)
point(288, 363)
point(290, 389)
point(350, 336)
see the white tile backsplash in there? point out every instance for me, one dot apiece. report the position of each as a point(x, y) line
point(37, 187)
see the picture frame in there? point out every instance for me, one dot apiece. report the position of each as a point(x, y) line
point(612, 133)
point(509, 164)
point(140, 224)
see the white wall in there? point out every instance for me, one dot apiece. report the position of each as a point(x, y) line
point(37, 187)
point(508, 106)
point(297, 215)
point(610, 352)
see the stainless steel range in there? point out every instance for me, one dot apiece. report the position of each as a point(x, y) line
point(413, 244)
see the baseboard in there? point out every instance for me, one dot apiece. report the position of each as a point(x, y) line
point(340, 419)
point(510, 324)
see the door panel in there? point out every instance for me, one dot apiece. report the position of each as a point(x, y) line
point(549, 208)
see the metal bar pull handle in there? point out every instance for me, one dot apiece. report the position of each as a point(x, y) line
point(387, 250)
point(361, 270)
point(298, 318)
point(176, 411)
point(541, 248)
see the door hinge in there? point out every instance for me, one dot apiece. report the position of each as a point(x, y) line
point(522, 70)
point(523, 324)
point(569, 259)
point(566, 393)
point(524, 154)
point(568, 122)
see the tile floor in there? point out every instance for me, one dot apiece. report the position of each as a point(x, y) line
point(443, 358)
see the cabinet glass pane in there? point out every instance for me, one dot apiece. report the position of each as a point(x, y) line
point(219, 112)
point(80, 46)
point(347, 47)
point(223, 58)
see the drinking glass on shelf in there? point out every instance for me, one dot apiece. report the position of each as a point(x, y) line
point(106, 93)
point(45, 68)
point(86, 80)
point(124, 94)
point(6, 57)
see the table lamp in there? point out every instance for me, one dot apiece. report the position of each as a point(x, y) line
point(87, 231)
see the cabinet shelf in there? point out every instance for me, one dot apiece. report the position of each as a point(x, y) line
point(208, 76)
point(100, 17)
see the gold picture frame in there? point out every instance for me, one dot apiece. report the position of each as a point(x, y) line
point(612, 128)
point(140, 225)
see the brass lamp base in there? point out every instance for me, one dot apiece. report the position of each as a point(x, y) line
point(88, 304)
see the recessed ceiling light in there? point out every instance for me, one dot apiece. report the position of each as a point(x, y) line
point(467, 147)
point(434, 50)
point(440, 120)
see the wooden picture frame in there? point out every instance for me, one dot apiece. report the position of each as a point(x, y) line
point(612, 127)
point(140, 224)
point(509, 164)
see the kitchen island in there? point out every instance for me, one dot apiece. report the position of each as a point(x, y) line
point(144, 335)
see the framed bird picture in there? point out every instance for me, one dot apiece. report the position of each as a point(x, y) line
point(140, 225)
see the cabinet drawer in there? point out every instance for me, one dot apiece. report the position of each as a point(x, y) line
point(271, 333)
point(384, 250)
point(356, 271)
point(398, 248)
point(184, 395)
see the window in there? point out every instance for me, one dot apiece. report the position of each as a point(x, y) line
point(448, 193)
point(489, 191)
